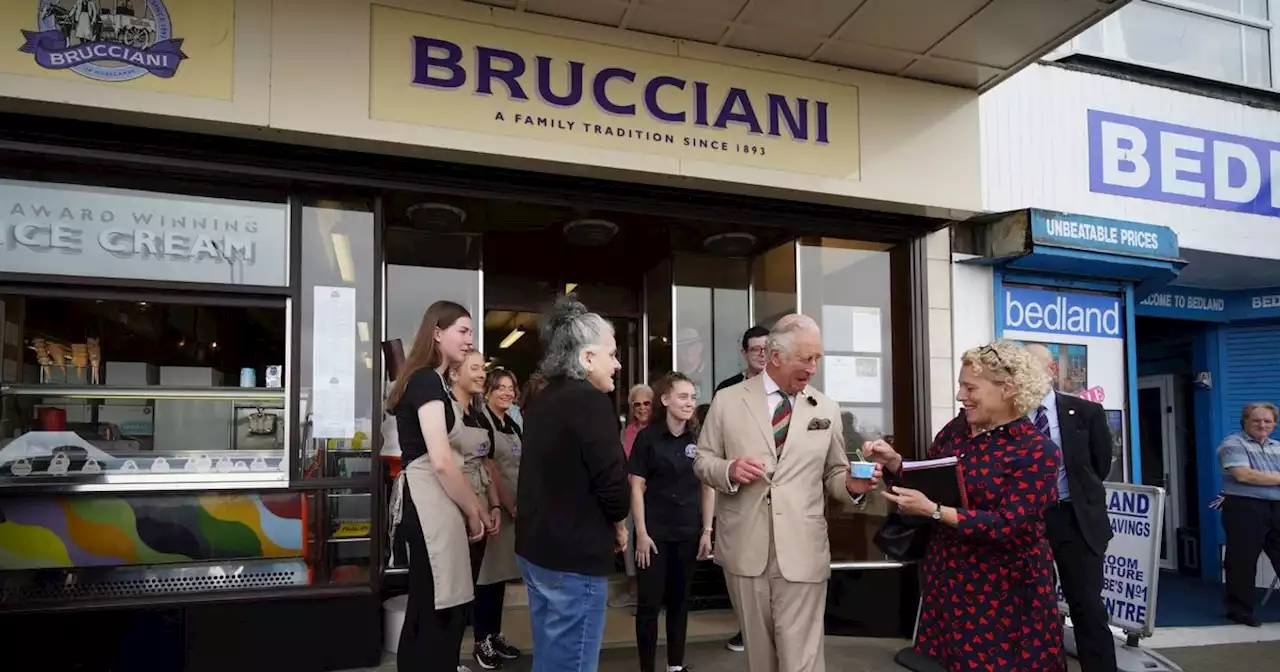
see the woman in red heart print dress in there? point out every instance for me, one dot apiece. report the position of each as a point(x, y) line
point(989, 597)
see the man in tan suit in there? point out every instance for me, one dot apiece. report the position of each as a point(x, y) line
point(773, 447)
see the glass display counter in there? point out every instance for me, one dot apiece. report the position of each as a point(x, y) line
point(103, 438)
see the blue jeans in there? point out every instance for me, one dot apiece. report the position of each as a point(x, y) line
point(567, 611)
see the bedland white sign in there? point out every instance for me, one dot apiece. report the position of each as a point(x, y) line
point(136, 235)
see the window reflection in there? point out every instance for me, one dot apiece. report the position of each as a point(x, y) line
point(712, 311)
point(773, 283)
point(845, 288)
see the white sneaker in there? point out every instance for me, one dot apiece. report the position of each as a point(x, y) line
point(463, 668)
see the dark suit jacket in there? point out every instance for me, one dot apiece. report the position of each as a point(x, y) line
point(1086, 450)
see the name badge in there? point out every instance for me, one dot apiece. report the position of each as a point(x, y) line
point(691, 450)
point(515, 448)
point(482, 449)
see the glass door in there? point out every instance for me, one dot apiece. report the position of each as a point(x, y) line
point(1161, 463)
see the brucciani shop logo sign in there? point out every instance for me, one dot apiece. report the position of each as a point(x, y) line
point(491, 70)
point(475, 77)
point(105, 40)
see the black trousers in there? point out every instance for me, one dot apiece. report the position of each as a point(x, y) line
point(666, 582)
point(477, 558)
point(1080, 571)
point(1253, 527)
point(431, 638)
point(488, 610)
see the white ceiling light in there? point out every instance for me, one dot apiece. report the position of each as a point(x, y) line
point(342, 250)
point(511, 338)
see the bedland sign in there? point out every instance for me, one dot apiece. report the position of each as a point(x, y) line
point(1159, 161)
point(117, 233)
point(1208, 305)
point(1062, 313)
point(467, 76)
point(1131, 565)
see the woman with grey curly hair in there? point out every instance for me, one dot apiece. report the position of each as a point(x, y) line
point(988, 569)
point(573, 495)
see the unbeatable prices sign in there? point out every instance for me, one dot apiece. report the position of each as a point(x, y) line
point(469, 76)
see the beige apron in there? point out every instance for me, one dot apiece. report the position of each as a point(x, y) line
point(443, 525)
point(499, 563)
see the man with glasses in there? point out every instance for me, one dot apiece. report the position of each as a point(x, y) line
point(754, 354)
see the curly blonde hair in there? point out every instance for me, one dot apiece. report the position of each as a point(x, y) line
point(1010, 363)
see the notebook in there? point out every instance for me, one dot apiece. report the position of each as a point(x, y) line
point(941, 480)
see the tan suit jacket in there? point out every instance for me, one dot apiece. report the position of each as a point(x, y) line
point(812, 460)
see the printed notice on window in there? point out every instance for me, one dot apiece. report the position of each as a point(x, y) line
point(852, 379)
point(851, 329)
point(333, 363)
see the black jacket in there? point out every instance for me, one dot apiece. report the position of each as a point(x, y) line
point(573, 481)
point(1086, 450)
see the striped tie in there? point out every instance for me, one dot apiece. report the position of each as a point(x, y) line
point(1042, 422)
point(781, 421)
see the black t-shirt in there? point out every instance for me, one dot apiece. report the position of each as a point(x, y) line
point(672, 496)
point(425, 386)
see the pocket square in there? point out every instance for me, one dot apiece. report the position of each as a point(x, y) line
point(819, 423)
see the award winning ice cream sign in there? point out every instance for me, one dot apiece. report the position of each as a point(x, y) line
point(78, 231)
point(475, 77)
point(117, 43)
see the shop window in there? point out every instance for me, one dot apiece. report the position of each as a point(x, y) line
point(114, 389)
point(712, 311)
point(773, 284)
point(847, 287)
point(1226, 40)
point(658, 312)
point(339, 339)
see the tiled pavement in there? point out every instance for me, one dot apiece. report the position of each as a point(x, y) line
point(876, 655)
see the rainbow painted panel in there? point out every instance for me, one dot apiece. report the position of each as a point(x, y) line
point(65, 532)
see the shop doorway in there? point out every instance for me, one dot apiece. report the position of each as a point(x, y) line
point(1159, 411)
point(512, 340)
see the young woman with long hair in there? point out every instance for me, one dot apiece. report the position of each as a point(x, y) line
point(432, 498)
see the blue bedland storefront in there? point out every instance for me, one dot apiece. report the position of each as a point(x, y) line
point(1172, 365)
point(1233, 342)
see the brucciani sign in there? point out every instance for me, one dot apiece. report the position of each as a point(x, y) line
point(114, 233)
point(488, 70)
point(469, 76)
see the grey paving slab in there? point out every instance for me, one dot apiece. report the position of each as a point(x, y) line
point(876, 655)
